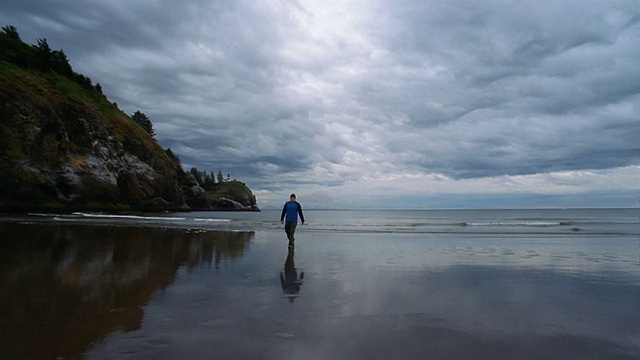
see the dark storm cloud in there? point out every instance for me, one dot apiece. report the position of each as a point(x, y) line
point(534, 70)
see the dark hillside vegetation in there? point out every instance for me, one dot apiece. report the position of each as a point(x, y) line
point(64, 146)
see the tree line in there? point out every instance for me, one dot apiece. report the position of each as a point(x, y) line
point(208, 180)
point(40, 57)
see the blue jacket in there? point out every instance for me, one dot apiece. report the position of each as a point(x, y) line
point(292, 210)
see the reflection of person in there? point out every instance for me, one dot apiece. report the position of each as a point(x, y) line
point(289, 217)
point(289, 280)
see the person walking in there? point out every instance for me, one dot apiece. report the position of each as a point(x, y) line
point(289, 217)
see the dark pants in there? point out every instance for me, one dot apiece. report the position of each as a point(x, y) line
point(290, 229)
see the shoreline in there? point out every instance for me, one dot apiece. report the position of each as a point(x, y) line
point(482, 223)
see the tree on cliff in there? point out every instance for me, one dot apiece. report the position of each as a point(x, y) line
point(11, 31)
point(144, 121)
point(206, 180)
point(40, 56)
point(55, 60)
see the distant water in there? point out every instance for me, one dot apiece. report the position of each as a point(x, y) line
point(494, 222)
point(410, 284)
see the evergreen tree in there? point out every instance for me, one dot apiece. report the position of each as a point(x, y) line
point(172, 155)
point(196, 174)
point(43, 47)
point(43, 53)
point(144, 121)
point(11, 31)
point(209, 182)
point(206, 180)
point(59, 63)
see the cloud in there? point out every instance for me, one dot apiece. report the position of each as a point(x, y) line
point(336, 98)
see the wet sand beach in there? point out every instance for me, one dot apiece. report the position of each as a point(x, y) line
point(113, 292)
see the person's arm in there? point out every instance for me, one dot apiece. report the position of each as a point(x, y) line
point(284, 210)
point(300, 213)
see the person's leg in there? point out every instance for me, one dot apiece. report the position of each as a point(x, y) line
point(293, 231)
point(287, 230)
point(290, 229)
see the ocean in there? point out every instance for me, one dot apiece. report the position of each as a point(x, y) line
point(392, 284)
point(495, 222)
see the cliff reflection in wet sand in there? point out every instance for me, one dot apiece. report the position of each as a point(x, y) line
point(69, 286)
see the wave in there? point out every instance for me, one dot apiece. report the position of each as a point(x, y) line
point(520, 223)
point(132, 217)
point(170, 220)
point(212, 220)
point(97, 216)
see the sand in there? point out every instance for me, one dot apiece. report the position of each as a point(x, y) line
point(114, 292)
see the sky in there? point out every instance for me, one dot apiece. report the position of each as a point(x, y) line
point(404, 104)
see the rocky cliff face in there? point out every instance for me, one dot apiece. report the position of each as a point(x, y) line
point(65, 148)
point(232, 196)
point(61, 154)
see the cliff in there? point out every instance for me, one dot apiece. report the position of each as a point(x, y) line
point(65, 147)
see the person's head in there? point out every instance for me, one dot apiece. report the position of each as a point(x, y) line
point(292, 197)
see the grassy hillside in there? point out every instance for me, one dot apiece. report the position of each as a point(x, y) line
point(55, 94)
point(231, 190)
point(64, 146)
